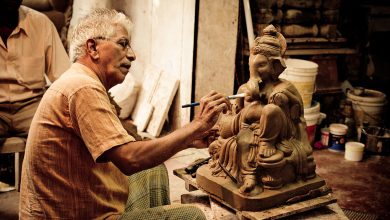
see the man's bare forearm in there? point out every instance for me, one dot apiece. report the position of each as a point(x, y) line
point(140, 155)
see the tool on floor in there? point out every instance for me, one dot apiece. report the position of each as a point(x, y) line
point(241, 95)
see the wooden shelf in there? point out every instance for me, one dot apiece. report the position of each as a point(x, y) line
point(315, 40)
point(320, 51)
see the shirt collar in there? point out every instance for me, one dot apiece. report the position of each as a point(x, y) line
point(23, 23)
point(85, 70)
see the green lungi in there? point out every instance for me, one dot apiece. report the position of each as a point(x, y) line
point(149, 198)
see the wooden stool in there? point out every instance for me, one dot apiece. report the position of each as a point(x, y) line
point(15, 145)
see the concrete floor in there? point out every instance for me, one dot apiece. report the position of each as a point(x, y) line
point(362, 186)
point(358, 186)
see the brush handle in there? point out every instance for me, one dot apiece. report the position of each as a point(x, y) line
point(190, 105)
point(241, 95)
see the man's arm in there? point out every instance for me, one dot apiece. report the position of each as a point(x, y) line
point(140, 155)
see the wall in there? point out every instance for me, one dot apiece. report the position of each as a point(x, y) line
point(216, 47)
point(81, 8)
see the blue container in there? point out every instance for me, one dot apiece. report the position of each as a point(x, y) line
point(337, 136)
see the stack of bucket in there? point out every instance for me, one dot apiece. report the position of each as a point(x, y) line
point(302, 74)
point(313, 117)
point(368, 106)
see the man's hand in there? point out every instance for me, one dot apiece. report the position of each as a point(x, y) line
point(207, 138)
point(211, 106)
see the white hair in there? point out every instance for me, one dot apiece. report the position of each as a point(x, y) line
point(100, 23)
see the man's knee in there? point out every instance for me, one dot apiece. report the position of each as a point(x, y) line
point(160, 169)
point(159, 172)
point(193, 212)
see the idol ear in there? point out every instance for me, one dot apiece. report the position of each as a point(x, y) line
point(278, 65)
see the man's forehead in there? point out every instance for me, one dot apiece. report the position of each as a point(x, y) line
point(121, 32)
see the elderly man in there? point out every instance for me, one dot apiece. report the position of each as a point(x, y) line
point(78, 152)
point(29, 48)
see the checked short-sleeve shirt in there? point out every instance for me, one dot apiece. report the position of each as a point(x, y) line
point(62, 175)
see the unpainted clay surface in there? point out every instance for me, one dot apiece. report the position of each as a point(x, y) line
point(262, 150)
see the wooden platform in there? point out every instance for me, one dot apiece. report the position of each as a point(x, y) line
point(226, 190)
point(312, 209)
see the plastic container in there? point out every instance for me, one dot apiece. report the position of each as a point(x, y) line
point(302, 74)
point(313, 109)
point(376, 139)
point(313, 117)
point(368, 106)
point(337, 136)
point(354, 151)
point(325, 137)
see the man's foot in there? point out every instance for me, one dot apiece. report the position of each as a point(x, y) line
point(248, 186)
point(4, 187)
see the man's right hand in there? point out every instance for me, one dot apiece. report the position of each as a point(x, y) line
point(211, 106)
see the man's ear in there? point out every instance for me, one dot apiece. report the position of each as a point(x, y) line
point(91, 49)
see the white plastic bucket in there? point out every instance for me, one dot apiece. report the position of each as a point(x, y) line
point(302, 74)
point(314, 108)
point(368, 107)
point(314, 119)
point(354, 151)
point(312, 115)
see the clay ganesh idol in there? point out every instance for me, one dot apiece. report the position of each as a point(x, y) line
point(262, 143)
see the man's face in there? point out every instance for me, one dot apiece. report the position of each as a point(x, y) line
point(115, 57)
point(260, 67)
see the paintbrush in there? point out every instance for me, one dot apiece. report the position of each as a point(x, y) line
point(241, 95)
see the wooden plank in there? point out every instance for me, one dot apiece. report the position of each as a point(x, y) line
point(161, 100)
point(143, 109)
point(216, 47)
point(181, 116)
point(172, 47)
point(143, 115)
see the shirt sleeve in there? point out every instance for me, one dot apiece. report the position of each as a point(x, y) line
point(95, 122)
point(57, 58)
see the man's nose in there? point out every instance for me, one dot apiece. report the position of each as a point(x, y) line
point(130, 54)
